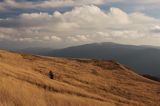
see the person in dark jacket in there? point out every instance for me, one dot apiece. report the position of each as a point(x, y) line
point(51, 75)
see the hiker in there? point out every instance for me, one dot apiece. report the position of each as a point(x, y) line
point(51, 75)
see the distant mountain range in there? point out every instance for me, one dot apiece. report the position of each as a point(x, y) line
point(143, 59)
point(35, 50)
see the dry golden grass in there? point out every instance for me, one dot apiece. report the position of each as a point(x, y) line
point(78, 82)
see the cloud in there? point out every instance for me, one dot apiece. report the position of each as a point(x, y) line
point(83, 24)
point(147, 1)
point(28, 4)
point(56, 38)
point(155, 29)
point(58, 3)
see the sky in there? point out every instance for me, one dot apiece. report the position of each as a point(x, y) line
point(63, 23)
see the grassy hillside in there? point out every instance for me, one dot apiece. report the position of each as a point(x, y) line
point(24, 81)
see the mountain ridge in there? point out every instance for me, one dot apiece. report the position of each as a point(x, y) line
point(144, 59)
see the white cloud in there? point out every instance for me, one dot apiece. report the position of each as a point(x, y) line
point(55, 38)
point(84, 24)
point(5, 4)
point(119, 16)
point(156, 29)
point(81, 38)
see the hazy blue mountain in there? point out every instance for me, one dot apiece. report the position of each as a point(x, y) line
point(35, 50)
point(143, 59)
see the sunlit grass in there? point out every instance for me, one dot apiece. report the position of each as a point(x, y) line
point(24, 81)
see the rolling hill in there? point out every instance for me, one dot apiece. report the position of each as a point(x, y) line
point(24, 81)
point(143, 59)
